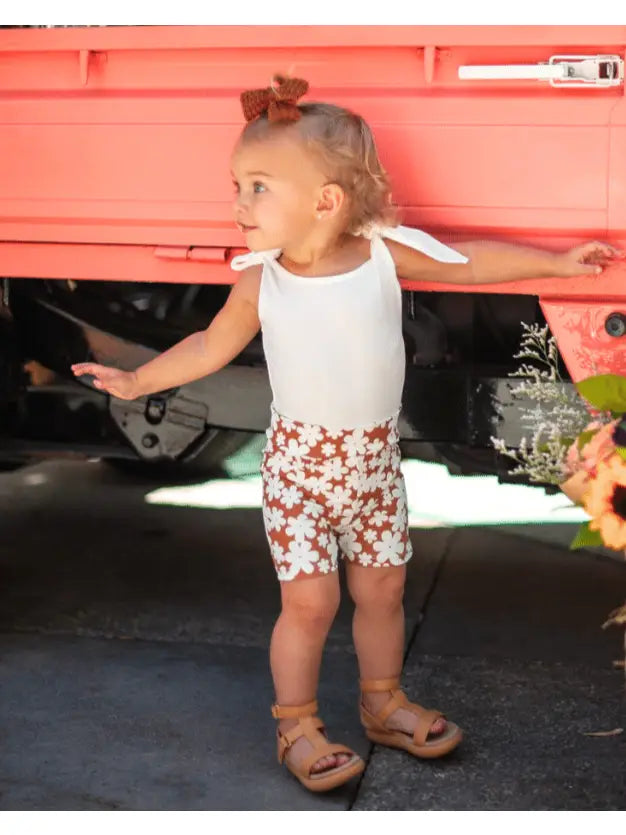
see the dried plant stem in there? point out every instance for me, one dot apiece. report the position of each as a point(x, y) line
point(557, 417)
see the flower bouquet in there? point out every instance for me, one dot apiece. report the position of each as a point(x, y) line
point(578, 442)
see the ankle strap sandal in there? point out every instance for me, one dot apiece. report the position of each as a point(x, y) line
point(310, 726)
point(419, 744)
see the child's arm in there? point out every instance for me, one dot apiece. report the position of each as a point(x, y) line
point(194, 357)
point(491, 261)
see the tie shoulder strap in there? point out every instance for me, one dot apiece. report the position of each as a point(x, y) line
point(249, 259)
point(416, 239)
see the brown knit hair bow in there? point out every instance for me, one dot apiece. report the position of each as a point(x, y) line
point(279, 100)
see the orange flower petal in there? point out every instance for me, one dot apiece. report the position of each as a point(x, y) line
point(613, 530)
point(598, 502)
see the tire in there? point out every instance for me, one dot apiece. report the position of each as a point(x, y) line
point(208, 462)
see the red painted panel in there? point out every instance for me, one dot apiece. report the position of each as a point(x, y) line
point(190, 37)
point(122, 135)
point(586, 346)
point(617, 176)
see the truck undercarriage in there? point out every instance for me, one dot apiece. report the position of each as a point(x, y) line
point(459, 351)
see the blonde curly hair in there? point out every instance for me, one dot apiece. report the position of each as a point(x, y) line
point(344, 146)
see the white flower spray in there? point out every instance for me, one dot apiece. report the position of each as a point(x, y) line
point(558, 416)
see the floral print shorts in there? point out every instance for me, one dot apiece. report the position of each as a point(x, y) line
point(328, 491)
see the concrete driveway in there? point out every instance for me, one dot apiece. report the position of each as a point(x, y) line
point(134, 660)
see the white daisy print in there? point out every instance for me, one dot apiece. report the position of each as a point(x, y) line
point(302, 556)
point(389, 548)
point(398, 490)
point(353, 445)
point(278, 519)
point(374, 446)
point(349, 544)
point(337, 498)
point(353, 480)
point(290, 496)
point(295, 449)
point(376, 481)
point(385, 457)
point(347, 517)
point(296, 476)
point(273, 487)
point(300, 527)
point(393, 437)
point(268, 517)
point(325, 490)
point(275, 461)
point(369, 506)
point(379, 518)
point(278, 552)
point(286, 423)
point(333, 468)
point(399, 522)
point(312, 508)
point(309, 434)
point(316, 485)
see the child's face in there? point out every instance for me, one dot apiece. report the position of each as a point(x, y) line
point(277, 191)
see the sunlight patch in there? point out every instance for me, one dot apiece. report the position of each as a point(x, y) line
point(220, 493)
point(436, 498)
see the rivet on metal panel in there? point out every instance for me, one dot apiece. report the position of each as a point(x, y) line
point(430, 53)
point(83, 63)
point(615, 324)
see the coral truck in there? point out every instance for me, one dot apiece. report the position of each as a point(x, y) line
point(116, 228)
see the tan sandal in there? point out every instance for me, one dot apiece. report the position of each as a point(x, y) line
point(419, 745)
point(310, 726)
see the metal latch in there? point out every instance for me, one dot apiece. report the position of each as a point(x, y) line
point(559, 70)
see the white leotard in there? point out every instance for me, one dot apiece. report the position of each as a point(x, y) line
point(333, 344)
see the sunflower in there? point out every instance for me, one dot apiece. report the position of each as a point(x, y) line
point(605, 501)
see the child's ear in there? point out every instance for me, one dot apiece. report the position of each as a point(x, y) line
point(331, 200)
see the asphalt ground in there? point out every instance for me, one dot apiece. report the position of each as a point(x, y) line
point(134, 664)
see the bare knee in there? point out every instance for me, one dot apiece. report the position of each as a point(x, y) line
point(373, 588)
point(312, 603)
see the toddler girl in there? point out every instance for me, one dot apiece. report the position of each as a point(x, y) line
point(313, 202)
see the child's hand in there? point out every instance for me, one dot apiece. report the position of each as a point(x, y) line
point(587, 258)
point(122, 384)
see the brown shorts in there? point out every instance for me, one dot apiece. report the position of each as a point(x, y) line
point(324, 491)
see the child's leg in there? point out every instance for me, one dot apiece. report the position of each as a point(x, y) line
point(309, 607)
point(378, 632)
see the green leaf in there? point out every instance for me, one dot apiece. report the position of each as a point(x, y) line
point(585, 538)
point(621, 451)
point(585, 437)
point(606, 392)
